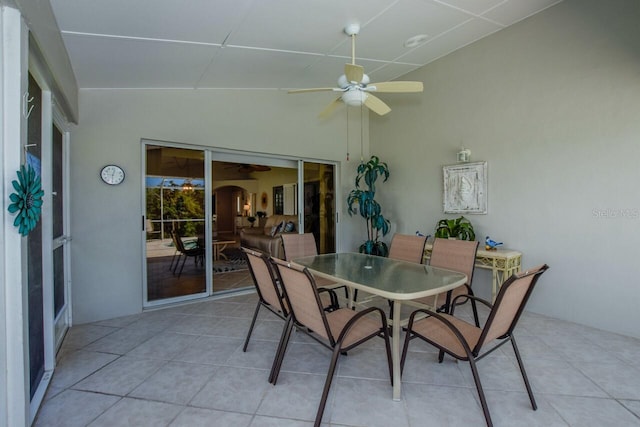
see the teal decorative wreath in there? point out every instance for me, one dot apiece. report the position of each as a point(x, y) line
point(27, 201)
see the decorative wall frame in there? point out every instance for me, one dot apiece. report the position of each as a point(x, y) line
point(465, 188)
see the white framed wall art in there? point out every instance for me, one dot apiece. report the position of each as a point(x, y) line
point(465, 188)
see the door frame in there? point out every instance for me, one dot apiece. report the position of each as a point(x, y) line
point(54, 327)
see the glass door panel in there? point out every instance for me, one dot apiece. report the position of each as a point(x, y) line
point(318, 196)
point(243, 202)
point(175, 224)
point(34, 249)
point(59, 238)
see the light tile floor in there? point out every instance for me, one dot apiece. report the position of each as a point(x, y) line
point(184, 366)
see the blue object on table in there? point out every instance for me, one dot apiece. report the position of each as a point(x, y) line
point(491, 244)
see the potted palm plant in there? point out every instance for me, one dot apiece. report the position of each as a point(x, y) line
point(363, 201)
point(459, 228)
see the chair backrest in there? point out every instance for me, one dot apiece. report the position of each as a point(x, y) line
point(407, 247)
point(298, 245)
point(302, 297)
point(264, 279)
point(510, 302)
point(177, 241)
point(456, 255)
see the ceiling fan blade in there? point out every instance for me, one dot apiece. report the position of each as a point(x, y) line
point(315, 89)
point(329, 108)
point(376, 105)
point(354, 73)
point(396, 87)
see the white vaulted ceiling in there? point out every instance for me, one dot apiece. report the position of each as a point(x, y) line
point(271, 44)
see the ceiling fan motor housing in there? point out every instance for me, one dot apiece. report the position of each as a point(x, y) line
point(354, 97)
point(344, 83)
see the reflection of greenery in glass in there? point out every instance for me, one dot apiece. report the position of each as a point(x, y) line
point(176, 205)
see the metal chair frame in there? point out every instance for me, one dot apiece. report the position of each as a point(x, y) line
point(196, 252)
point(331, 342)
point(504, 333)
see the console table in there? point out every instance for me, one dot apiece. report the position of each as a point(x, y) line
point(502, 263)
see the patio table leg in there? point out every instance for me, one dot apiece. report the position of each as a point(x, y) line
point(395, 349)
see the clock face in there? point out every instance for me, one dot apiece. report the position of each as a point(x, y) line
point(112, 174)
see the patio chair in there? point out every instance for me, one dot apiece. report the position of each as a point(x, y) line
point(465, 341)
point(196, 252)
point(407, 247)
point(340, 330)
point(301, 245)
point(455, 255)
point(269, 293)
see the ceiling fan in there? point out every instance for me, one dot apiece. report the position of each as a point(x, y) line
point(356, 87)
point(247, 168)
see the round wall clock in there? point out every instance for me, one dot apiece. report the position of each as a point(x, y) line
point(112, 174)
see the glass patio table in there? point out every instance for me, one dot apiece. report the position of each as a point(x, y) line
point(398, 281)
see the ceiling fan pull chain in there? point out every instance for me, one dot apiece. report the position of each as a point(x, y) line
point(347, 134)
point(361, 133)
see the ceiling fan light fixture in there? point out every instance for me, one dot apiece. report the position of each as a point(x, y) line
point(416, 41)
point(354, 98)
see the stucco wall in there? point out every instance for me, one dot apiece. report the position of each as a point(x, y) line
point(106, 221)
point(553, 105)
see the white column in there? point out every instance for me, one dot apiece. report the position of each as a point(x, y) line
point(14, 390)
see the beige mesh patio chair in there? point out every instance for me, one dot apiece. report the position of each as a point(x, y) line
point(455, 255)
point(269, 293)
point(467, 342)
point(301, 245)
point(407, 247)
point(340, 330)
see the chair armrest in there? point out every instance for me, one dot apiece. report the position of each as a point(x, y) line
point(473, 297)
point(347, 327)
point(446, 323)
point(333, 297)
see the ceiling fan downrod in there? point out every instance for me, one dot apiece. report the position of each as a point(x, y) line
point(352, 30)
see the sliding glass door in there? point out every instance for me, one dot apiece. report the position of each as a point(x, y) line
point(199, 203)
point(174, 224)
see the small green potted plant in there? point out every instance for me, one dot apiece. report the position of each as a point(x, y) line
point(459, 228)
